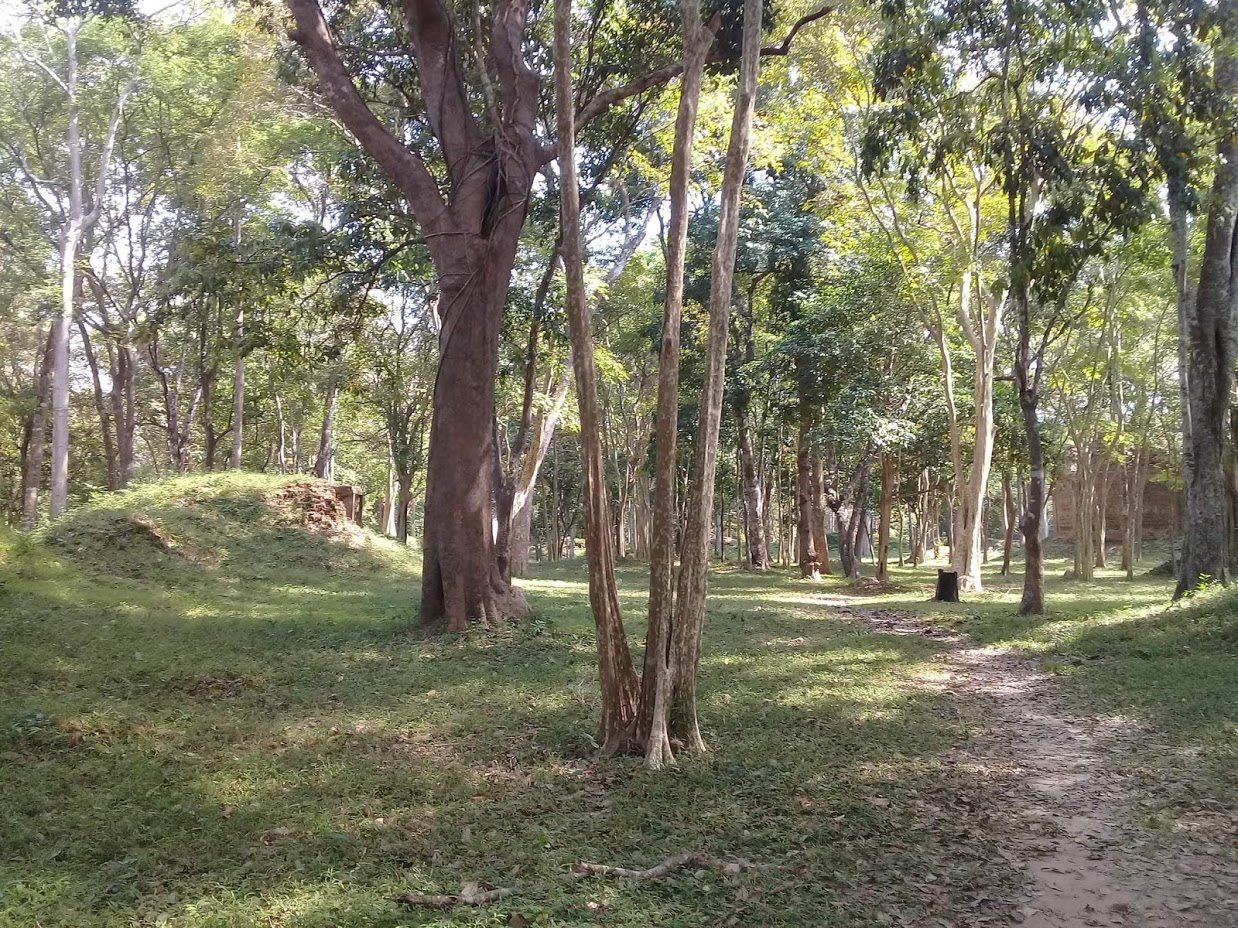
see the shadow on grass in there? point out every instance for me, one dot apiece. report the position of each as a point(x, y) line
point(234, 753)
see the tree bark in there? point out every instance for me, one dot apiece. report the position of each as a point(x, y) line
point(36, 442)
point(1033, 599)
point(1009, 517)
point(805, 491)
point(753, 499)
point(693, 578)
point(1210, 347)
point(888, 477)
point(657, 685)
point(238, 398)
point(615, 668)
point(76, 226)
point(324, 462)
point(820, 540)
point(110, 462)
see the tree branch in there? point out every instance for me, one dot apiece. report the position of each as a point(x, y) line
point(405, 167)
point(608, 98)
point(442, 82)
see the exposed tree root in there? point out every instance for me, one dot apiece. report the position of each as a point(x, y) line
point(470, 894)
point(694, 859)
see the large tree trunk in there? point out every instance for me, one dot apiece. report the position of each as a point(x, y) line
point(1210, 343)
point(460, 575)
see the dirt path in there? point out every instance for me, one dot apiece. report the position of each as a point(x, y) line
point(1085, 864)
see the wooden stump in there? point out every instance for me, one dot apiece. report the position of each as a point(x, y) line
point(947, 586)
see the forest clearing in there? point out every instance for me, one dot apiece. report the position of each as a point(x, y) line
point(257, 738)
point(634, 462)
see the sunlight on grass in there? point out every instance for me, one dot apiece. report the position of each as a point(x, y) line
point(217, 750)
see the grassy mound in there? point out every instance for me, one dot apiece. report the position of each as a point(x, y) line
point(240, 525)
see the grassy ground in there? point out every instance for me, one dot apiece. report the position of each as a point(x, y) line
point(237, 728)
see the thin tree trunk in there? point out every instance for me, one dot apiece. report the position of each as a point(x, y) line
point(888, 476)
point(615, 668)
point(653, 726)
point(804, 493)
point(281, 454)
point(36, 442)
point(238, 400)
point(1009, 516)
point(105, 425)
point(323, 462)
point(757, 547)
point(693, 574)
point(820, 540)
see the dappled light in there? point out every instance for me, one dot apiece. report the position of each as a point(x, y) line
point(608, 465)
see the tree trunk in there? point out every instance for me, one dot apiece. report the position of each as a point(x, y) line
point(615, 668)
point(77, 224)
point(888, 476)
point(1210, 343)
point(820, 540)
point(805, 491)
point(101, 410)
point(324, 462)
point(1033, 600)
point(1101, 530)
point(281, 453)
point(675, 710)
point(124, 410)
point(1009, 516)
point(70, 238)
point(754, 503)
point(238, 406)
point(693, 574)
point(969, 530)
point(657, 685)
point(460, 575)
point(36, 442)
point(520, 539)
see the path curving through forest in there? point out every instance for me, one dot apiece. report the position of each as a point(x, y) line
point(1086, 865)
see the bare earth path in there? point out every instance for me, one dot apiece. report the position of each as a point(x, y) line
point(1086, 865)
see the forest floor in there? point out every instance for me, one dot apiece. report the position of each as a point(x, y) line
point(239, 729)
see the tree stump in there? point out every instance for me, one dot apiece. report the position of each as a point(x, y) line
point(947, 586)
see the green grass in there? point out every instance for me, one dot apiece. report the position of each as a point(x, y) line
point(240, 729)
